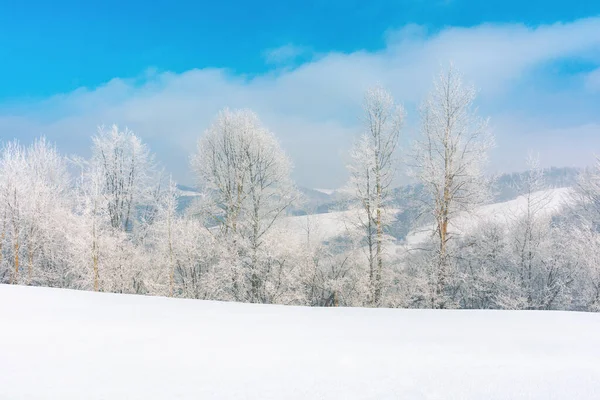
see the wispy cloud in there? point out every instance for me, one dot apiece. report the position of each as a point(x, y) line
point(313, 107)
point(593, 80)
point(284, 54)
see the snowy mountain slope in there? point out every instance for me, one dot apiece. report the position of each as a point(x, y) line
point(325, 226)
point(62, 344)
point(329, 225)
point(328, 192)
point(322, 226)
point(186, 191)
point(501, 213)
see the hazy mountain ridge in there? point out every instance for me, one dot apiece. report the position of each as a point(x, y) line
point(405, 199)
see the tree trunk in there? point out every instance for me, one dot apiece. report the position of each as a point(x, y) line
point(16, 272)
point(30, 264)
point(379, 223)
point(95, 266)
point(443, 224)
point(2, 236)
point(172, 264)
point(95, 256)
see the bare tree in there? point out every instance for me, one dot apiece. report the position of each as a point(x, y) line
point(12, 167)
point(371, 174)
point(485, 270)
point(162, 243)
point(245, 172)
point(586, 194)
point(127, 168)
point(88, 240)
point(33, 188)
point(448, 160)
point(585, 234)
point(116, 194)
point(531, 228)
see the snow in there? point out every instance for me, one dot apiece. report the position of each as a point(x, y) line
point(63, 344)
point(324, 226)
point(326, 191)
point(501, 213)
point(188, 193)
point(327, 226)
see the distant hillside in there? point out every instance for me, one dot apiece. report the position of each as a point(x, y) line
point(506, 186)
point(313, 202)
point(187, 195)
point(405, 199)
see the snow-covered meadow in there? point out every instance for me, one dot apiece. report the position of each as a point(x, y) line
point(64, 344)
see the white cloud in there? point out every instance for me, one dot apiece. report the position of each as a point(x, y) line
point(284, 54)
point(313, 107)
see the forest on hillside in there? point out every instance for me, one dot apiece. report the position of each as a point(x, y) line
point(114, 222)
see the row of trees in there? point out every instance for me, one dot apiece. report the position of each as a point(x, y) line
point(528, 257)
point(113, 223)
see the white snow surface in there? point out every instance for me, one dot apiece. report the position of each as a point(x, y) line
point(188, 193)
point(329, 225)
point(63, 344)
point(326, 191)
point(322, 227)
point(502, 213)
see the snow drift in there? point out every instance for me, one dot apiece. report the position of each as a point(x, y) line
point(63, 344)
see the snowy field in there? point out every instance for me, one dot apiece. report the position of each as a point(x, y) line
point(62, 344)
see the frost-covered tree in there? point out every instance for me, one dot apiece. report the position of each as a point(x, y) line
point(116, 195)
point(13, 193)
point(585, 235)
point(184, 255)
point(104, 258)
point(485, 270)
point(335, 278)
point(582, 240)
point(544, 267)
point(89, 241)
point(34, 189)
point(165, 230)
point(586, 194)
point(48, 211)
point(531, 229)
point(245, 173)
point(448, 160)
point(371, 175)
point(323, 273)
point(128, 174)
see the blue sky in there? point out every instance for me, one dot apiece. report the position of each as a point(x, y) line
point(53, 47)
point(165, 67)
